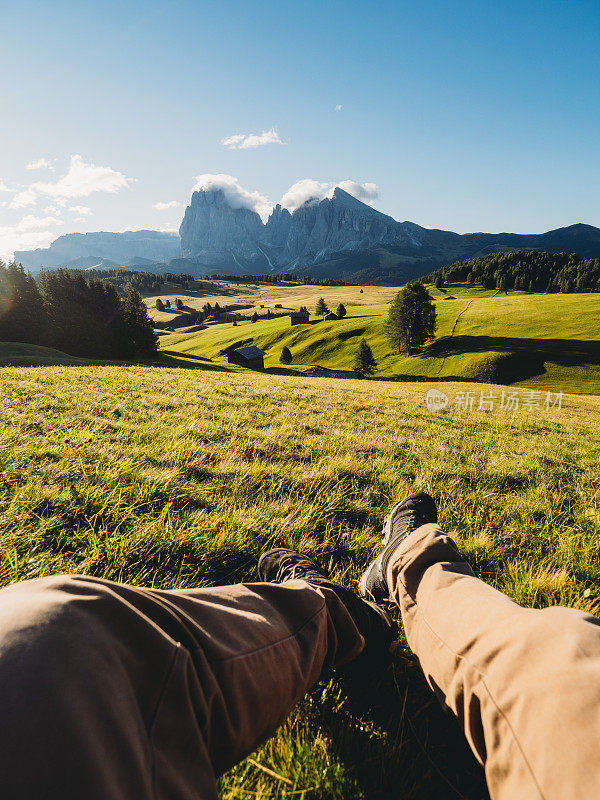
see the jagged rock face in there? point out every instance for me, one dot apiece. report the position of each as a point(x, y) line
point(301, 226)
point(213, 232)
point(212, 228)
point(278, 226)
point(344, 223)
point(118, 247)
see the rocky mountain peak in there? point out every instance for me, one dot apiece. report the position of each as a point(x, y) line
point(278, 226)
point(212, 225)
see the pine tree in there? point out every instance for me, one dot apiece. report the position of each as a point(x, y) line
point(254, 317)
point(286, 356)
point(179, 304)
point(159, 304)
point(138, 339)
point(22, 312)
point(411, 318)
point(321, 307)
point(365, 362)
point(81, 315)
point(341, 311)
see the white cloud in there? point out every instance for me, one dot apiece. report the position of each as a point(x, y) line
point(301, 192)
point(339, 107)
point(5, 188)
point(32, 223)
point(81, 180)
point(41, 163)
point(83, 211)
point(160, 206)
point(24, 198)
point(245, 141)
point(30, 232)
point(236, 195)
point(308, 189)
point(159, 228)
point(167, 228)
point(362, 191)
point(304, 190)
point(11, 240)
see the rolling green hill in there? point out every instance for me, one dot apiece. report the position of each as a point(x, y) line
point(31, 355)
point(540, 341)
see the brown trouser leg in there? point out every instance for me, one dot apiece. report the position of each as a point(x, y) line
point(524, 683)
point(108, 691)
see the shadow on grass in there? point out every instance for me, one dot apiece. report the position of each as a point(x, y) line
point(396, 739)
point(567, 352)
point(179, 360)
point(345, 335)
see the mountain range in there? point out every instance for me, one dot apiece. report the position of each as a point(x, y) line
point(337, 237)
point(118, 248)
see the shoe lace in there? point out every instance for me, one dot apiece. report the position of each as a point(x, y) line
point(291, 567)
point(410, 519)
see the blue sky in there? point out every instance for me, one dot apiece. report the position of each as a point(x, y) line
point(465, 115)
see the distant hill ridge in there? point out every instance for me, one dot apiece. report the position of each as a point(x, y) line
point(118, 248)
point(338, 237)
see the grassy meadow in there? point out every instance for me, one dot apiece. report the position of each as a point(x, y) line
point(180, 478)
point(536, 340)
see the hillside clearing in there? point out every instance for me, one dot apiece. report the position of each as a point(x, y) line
point(542, 341)
point(179, 478)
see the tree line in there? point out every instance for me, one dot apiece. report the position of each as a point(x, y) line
point(147, 282)
point(280, 277)
point(82, 317)
point(525, 270)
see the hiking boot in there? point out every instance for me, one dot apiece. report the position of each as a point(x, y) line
point(373, 623)
point(408, 515)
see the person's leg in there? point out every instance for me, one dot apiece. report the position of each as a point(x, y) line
point(524, 683)
point(110, 691)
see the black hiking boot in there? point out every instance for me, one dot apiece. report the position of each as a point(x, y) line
point(408, 515)
point(373, 623)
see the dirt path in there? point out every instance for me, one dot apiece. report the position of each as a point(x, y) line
point(458, 316)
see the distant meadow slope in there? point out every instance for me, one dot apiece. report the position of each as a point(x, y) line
point(180, 478)
point(536, 340)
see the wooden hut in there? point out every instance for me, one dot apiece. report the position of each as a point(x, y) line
point(299, 317)
point(251, 357)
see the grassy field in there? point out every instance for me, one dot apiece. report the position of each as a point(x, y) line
point(541, 341)
point(180, 478)
point(257, 295)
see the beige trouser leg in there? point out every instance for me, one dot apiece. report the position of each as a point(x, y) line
point(523, 683)
point(109, 691)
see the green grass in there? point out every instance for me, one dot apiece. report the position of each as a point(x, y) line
point(180, 478)
point(14, 354)
point(542, 341)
